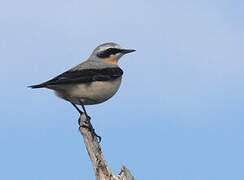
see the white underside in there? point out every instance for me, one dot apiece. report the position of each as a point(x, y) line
point(88, 93)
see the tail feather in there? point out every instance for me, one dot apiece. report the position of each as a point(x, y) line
point(37, 86)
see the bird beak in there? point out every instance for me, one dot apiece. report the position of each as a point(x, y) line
point(125, 51)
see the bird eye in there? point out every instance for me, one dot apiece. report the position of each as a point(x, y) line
point(108, 52)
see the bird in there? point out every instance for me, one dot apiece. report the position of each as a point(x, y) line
point(91, 82)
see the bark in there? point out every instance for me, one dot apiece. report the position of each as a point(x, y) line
point(101, 169)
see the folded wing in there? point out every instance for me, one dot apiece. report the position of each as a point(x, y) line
point(83, 76)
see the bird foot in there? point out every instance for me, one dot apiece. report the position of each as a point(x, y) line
point(88, 118)
point(90, 128)
point(94, 134)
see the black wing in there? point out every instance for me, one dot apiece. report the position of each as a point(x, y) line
point(83, 76)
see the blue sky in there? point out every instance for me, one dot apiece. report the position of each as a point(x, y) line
point(178, 114)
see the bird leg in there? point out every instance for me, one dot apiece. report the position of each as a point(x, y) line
point(90, 125)
point(79, 120)
point(88, 118)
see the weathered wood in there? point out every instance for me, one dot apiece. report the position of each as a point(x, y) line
point(101, 169)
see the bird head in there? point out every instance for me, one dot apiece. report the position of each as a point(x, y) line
point(109, 52)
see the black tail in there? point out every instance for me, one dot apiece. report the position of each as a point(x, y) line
point(37, 86)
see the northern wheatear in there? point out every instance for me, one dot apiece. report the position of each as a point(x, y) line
point(93, 81)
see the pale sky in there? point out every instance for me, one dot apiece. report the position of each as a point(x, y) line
point(178, 114)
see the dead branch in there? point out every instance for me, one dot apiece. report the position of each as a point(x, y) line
point(101, 169)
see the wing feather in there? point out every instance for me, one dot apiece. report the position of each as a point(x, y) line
point(83, 76)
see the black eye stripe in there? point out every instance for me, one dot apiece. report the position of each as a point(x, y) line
point(108, 52)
